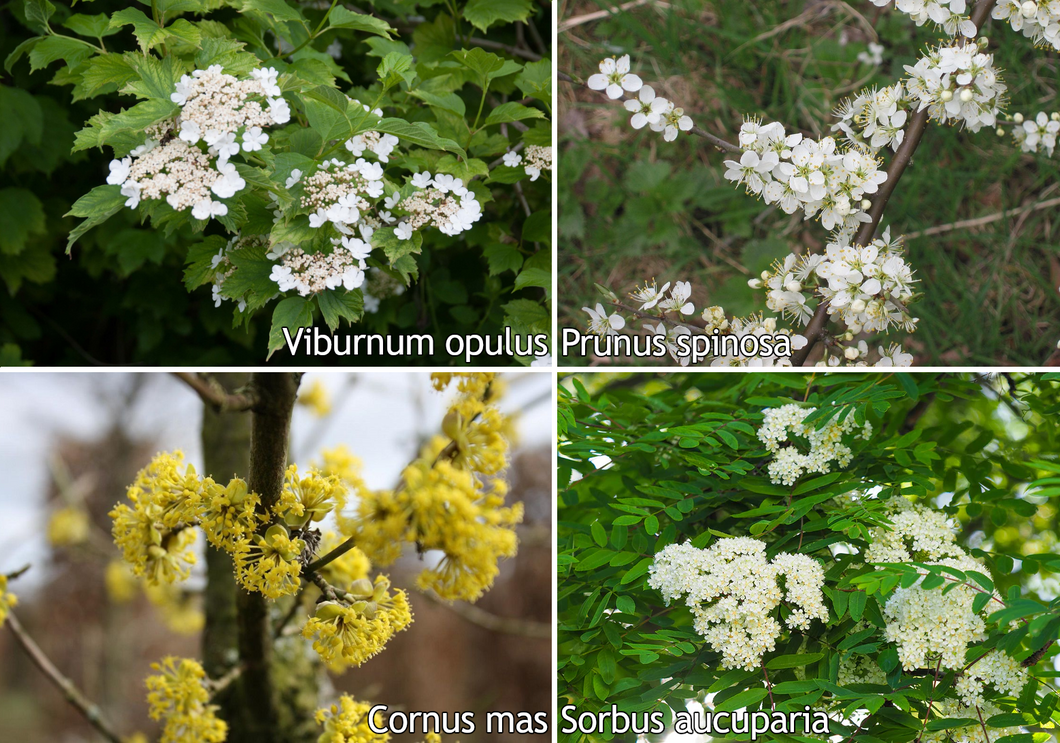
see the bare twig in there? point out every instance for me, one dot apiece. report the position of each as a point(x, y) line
point(503, 625)
point(597, 15)
point(73, 695)
point(980, 221)
point(215, 395)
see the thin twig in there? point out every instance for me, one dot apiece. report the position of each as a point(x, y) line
point(597, 15)
point(980, 221)
point(88, 709)
point(503, 625)
point(214, 394)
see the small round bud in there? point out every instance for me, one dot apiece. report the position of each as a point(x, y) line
point(848, 336)
point(451, 424)
point(327, 610)
point(854, 328)
point(1055, 116)
point(865, 205)
point(754, 283)
point(983, 41)
point(946, 95)
point(858, 305)
point(1000, 132)
point(1018, 118)
point(770, 324)
point(361, 588)
point(764, 275)
point(967, 95)
point(1029, 9)
point(793, 286)
point(850, 352)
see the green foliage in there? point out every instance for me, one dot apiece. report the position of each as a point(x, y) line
point(635, 207)
point(646, 461)
point(147, 272)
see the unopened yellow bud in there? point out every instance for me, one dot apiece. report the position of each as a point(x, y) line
point(328, 610)
point(452, 424)
point(361, 588)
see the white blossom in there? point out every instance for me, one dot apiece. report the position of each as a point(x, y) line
point(614, 78)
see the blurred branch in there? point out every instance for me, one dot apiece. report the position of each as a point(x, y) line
point(215, 395)
point(73, 695)
point(504, 625)
point(596, 15)
point(980, 221)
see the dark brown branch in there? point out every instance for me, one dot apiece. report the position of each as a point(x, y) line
point(503, 625)
point(269, 441)
point(913, 136)
point(215, 395)
point(73, 695)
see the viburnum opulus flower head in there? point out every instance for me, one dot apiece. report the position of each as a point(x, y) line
point(615, 78)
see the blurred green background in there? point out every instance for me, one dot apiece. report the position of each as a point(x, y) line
point(633, 207)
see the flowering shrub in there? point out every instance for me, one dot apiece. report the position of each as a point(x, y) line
point(298, 555)
point(880, 589)
point(851, 302)
point(311, 163)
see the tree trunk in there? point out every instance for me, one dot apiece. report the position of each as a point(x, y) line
point(226, 454)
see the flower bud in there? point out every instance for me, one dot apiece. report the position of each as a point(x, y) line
point(754, 283)
point(370, 609)
point(156, 552)
point(764, 275)
point(858, 305)
point(1000, 132)
point(1055, 116)
point(1029, 9)
point(865, 205)
point(848, 336)
point(451, 424)
point(850, 352)
point(855, 328)
point(1018, 118)
point(946, 95)
point(275, 531)
point(361, 588)
point(328, 610)
point(236, 491)
point(793, 286)
point(967, 95)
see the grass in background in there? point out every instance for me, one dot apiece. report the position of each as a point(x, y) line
point(633, 207)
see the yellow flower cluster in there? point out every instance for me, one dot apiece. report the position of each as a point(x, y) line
point(153, 533)
point(340, 462)
point(443, 502)
point(7, 600)
point(316, 398)
point(347, 722)
point(68, 527)
point(178, 696)
point(268, 563)
point(349, 634)
point(229, 514)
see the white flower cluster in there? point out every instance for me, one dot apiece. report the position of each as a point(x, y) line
point(873, 55)
point(957, 84)
point(1037, 20)
point(732, 589)
point(659, 114)
point(650, 295)
point(380, 144)
point(826, 445)
point(442, 201)
point(538, 160)
point(951, 15)
point(797, 172)
point(754, 324)
point(916, 534)
point(859, 669)
point(867, 287)
point(338, 192)
point(874, 118)
point(311, 273)
point(932, 627)
point(1038, 133)
point(224, 112)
